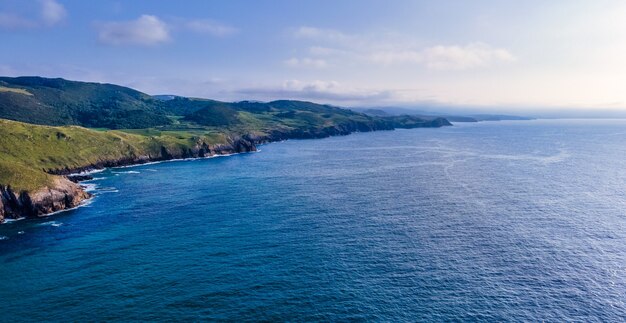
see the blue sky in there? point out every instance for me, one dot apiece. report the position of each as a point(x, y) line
point(353, 53)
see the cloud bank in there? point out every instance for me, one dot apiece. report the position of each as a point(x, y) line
point(447, 57)
point(393, 49)
point(150, 30)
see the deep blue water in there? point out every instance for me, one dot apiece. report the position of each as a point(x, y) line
point(521, 220)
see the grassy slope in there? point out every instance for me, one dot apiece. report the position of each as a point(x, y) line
point(26, 150)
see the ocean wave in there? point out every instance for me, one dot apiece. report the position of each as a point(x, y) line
point(110, 191)
point(51, 223)
point(94, 179)
point(127, 172)
point(107, 190)
point(12, 220)
point(88, 172)
point(89, 187)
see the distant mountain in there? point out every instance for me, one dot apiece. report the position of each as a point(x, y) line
point(454, 117)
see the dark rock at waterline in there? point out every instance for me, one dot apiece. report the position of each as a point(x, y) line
point(79, 178)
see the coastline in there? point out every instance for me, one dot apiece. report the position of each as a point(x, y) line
point(67, 193)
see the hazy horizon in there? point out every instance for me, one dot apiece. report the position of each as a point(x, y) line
point(531, 58)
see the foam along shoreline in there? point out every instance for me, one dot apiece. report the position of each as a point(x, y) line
point(99, 170)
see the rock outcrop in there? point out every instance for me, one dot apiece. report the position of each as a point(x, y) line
point(61, 194)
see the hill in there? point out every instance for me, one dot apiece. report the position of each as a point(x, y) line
point(61, 102)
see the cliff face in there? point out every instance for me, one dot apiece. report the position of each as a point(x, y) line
point(199, 149)
point(60, 195)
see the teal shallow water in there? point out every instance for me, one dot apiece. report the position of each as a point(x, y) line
point(491, 221)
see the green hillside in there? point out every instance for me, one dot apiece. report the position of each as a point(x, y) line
point(27, 150)
point(61, 102)
point(52, 117)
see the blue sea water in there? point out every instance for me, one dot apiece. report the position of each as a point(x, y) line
point(493, 221)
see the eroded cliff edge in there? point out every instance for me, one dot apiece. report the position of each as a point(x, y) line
point(60, 195)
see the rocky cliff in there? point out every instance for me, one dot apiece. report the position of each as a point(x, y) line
point(234, 145)
point(61, 194)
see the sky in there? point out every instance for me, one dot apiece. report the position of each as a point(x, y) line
point(516, 54)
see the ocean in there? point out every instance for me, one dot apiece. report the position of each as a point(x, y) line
point(490, 221)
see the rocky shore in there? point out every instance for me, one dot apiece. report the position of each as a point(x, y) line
point(65, 193)
point(62, 194)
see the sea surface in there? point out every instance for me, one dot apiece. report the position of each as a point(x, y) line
point(491, 221)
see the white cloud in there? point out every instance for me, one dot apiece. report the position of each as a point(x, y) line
point(146, 30)
point(306, 62)
point(52, 12)
point(210, 27)
point(446, 57)
point(393, 49)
